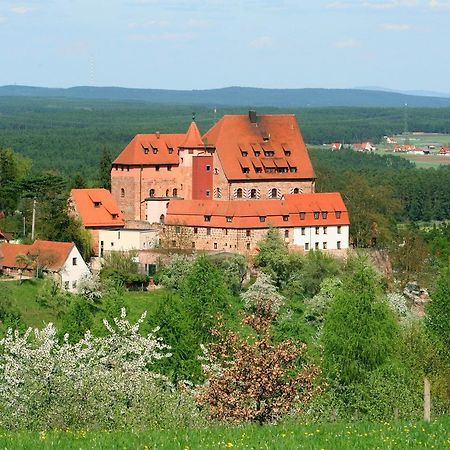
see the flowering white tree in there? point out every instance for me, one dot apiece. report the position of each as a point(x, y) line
point(98, 382)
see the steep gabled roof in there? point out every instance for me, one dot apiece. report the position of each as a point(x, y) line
point(52, 255)
point(236, 137)
point(150, 149)
point(97, 208)
point(247, 213)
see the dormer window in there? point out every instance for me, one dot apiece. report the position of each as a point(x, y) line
point(245, 170)
point(287, 152)
point(170, 151)
point(146, 151)
point(244, 153)
point(285, 218)
point(262, 218)
point(97, 204)
point(293, 169)
point(338, 214)
point(115, 216)
point(257, 153)
point(302, 216)
point(229, 219)
point(324, 214)
point(151, 193)
point(269, 153)
point(316, 215)
point(207, 218)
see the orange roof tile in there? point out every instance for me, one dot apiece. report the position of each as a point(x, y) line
point(151, 149)
point(193, 137)
point(97, 208)
point(50, 254)
point(233, 133)
point(247, 213)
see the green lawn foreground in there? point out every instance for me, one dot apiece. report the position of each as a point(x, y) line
point(399, 435)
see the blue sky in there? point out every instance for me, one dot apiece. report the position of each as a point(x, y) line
point(199, 44)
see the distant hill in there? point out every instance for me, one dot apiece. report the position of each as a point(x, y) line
point(238, 96)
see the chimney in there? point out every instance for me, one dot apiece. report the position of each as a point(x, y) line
point(252, 116)
point(158, 134)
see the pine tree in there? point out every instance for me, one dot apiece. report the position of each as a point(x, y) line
point(104, 172)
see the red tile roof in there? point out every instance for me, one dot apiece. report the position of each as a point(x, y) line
point(50, 254)
point(233, 135)
point(193, 137)
point(150, 149)
point(97, 208)
point(247, 213)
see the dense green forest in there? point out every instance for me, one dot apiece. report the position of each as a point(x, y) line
point(68, 134)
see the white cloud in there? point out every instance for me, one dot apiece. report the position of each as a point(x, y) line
point(22, 9)
point(347, 43)
point(390, 4)
point(396, 27)
point(439, 4)
point(262, 42)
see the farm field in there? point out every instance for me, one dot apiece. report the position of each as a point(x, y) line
point(337, 436)
point(420, 140)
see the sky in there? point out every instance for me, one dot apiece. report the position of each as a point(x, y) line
point(203, 44)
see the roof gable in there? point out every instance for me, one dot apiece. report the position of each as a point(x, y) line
point(269, 140)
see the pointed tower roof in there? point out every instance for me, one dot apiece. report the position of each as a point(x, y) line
point(193, 137)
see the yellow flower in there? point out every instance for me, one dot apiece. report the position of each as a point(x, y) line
point(229, 444)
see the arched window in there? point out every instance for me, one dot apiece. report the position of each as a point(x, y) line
point(296, 191)
point(274, 193)
point(167, 192)
point(151, 192)
point(253, 193)
point(239, 193)
point(174, 192)
point(122, 192)
point(161, 218)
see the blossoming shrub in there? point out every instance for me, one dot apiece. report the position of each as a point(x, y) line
point(97, 382)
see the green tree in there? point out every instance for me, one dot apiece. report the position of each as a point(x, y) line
point(438, 310)
point(104, 170)
point(360, 332)
point(77, 319)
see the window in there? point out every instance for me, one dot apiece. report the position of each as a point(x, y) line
point(174, 243)
point(285, 218)
point(112, 244)
point(338, 245)
point(178, 229)
point(296, 191)
point(248, 233)
point(97, 204)
point(174, 192)
point(258, 169)
point(262, 218)
point(161, 218)
point(167, 192)
point(146, 151)
point(155, 150)
point(325, 230)
point(253, 193)
point(338, 214)
point(339, 229)
point(316, 215)
point(157, 168)
point(74, 284)
point(74, 261)
point(324, 245)
point(324, 214)
point(239, 193)
point(193, 245)
point(151, 193)
point(219, 193)
point(248, 245)
point(303, 231)
point(169, 168)
point(207, 218)
point(226, 231)
point(114, 216)
point(118, 235)
point(316, 246)
point(317, 230)
point(195, 230)
point(244, 153)
point(229, 219)
point(245, 170)
point(208, 168)
point(306, 246)
point(302, 216)
point(274, 193)
point(269, 153)
point(122, 192)
point(215, 245)
point(208, 232)
point(208, 193)
point(286, 233)
point(66, 285)
point(293, 169)
point(287, 152)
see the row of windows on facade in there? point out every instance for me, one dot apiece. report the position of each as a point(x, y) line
point(253, 193)
point(67, 284)
point(270, 169)
point(152, 192)
point(316, 245)
point(127, 168)
point(267, 153)
point(302, 216)
point(248, 232)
